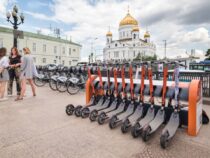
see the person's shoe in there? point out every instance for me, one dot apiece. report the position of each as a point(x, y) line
point(18, 98)
point(10, 95)
point(3, 99)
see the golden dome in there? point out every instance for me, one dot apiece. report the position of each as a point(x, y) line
point(109, 33)
point(128, 20)
point(136, 28)
point(146, 35)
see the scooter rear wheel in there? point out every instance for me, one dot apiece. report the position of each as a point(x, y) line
point(145, 133)
point(112, 122)
point(78, 111)
point(135, 130)
point(164, 140)
point(93, 115)
point(70, 109)
point(101, 118)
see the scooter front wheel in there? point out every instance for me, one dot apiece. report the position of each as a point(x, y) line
point(70, 109)
point(135, 130)
point(93, 115)
point(101, 118)
point(146, 133)
point(78, 111)
point(85, 112)
point(125, 126)
point(164, 140)
point(112, 122)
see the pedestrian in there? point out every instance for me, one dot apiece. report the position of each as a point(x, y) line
point(14, 71)
point(4, 76)
point(28, 71)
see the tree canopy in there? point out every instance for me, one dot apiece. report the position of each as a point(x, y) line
point(207, 54)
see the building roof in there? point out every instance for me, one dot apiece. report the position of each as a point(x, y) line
point(40, 36)
point(128, 20)
point(127, 39)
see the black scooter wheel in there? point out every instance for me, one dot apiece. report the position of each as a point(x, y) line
point(101, 118)
point(70, 109)
point(78, 111)
point(146, 133)
point(164, 140)
point(85, 112)
point(135, 130)
point(93, 115)
point(112, 122)
point(125, 126)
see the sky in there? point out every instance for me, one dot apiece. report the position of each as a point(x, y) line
point(185, 24)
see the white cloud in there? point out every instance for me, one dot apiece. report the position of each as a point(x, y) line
point(3, 4)
point(198, 35)
point(40, 16)
point(163, 19)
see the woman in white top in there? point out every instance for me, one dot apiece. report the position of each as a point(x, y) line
point(28, 71)
point(4, 75)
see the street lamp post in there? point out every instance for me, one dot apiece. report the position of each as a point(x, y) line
point(91, 57)
point(15, 22)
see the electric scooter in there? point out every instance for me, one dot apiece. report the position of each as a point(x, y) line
point(94, 113)
point(119, 117)
point(139, 125)
point(87, 111)
point(116, 101)
point(160, 116)
point(138, 114)
point(71, 109)
point(105, 116)
point(174, 122)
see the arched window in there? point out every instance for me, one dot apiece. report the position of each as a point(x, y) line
point(115, 44)
point(134, 36)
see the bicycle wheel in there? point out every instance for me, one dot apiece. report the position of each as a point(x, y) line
point(39, 82)
point(52, 84)
point(72, 88)
point(61, 86)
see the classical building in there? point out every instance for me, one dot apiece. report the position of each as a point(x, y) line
point(44, 49)
point(130, 44)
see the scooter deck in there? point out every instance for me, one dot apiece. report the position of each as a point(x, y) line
point(148, 118)
point(104, 106)
point(129, 111)
point(158, 120)
point(119, 110)
point(172, 125)
point(136, 115)
point(112, 107)
point(99, 104)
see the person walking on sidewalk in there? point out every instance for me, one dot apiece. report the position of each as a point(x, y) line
point(14, 71)
point(4, 76)
point(28, 71)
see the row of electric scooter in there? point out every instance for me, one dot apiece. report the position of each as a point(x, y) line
point(122, 103)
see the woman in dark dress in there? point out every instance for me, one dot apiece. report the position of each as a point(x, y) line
point(14, 71)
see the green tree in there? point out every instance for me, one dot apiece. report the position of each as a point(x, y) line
point(145, 58)
point(207, 54)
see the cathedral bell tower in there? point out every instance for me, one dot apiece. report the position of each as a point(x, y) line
point(147, 36)
point(135, 33)
point(109, 37)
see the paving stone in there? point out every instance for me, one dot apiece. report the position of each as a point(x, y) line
point(38, 127)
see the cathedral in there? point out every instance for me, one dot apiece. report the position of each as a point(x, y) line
point(129, 45)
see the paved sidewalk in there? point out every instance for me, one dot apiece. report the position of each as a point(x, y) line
point(38, 127)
